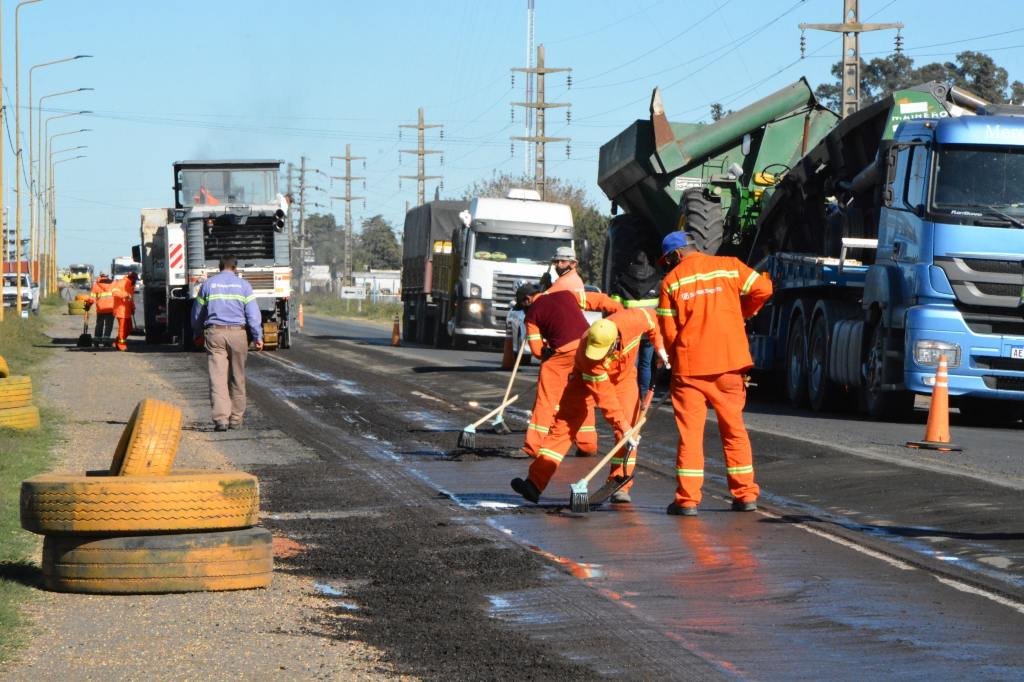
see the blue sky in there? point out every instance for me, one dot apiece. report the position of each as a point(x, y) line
point(259, 79)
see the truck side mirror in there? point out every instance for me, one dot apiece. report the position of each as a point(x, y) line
point(890, 175)
point(137, 253)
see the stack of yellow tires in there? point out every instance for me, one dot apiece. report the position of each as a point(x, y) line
point(16, 408)
point(144, 527)
point(77, 306)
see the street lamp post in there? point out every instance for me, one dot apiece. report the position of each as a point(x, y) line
point(33, 246)
point(53, 194)
point(37, 181)
point(51, 197)
point(17, 148)
point(42, 162)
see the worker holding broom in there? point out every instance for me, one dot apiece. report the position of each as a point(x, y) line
point(603, 374)
point(701, 310)
point(102, 296)
point(554, 325)
point(124, 307)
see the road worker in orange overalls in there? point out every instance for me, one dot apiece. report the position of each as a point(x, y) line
point(102, 296)
point(554, 325)
point(702, 307)
point(564, 262)
point(124, 307)
point(604, 374)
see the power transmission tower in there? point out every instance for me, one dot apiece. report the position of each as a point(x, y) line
point(421, 153)
point(348, 199)
point(541, 106)
point(851, 28)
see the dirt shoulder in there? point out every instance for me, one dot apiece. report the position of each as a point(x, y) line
point(255, 634)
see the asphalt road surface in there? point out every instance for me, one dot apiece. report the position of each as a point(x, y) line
point(866, 560)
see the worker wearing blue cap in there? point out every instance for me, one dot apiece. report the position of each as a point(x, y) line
point(701, 310)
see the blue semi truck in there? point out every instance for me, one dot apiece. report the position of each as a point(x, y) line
point(893, 237)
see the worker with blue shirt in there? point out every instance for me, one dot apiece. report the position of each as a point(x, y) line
point(223, 309)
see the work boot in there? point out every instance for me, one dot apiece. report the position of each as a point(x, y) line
point(527, 489)
point(620, 497)
point(234, 425)
point(741, 506)
point(678, 510)
point(218, 426)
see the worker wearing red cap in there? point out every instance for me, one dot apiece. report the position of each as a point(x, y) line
point(702, 307)
point(124, 308)
point(604, 374)
point(102, 296)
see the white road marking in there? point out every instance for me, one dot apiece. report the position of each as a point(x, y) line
point(970, 589)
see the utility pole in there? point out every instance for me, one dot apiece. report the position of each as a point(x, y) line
point(528, 117)
point(348, 199)
point(421, 153)
point(302, 226)
point(541, 106)
point(851, 28)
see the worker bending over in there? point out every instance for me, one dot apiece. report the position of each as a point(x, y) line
point(124, 307)
point(102, 296)
point(603, 374)
point(554, 326)
point(702, 307)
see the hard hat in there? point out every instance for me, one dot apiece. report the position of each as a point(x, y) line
point(103, 274)
point(673, 241)
point(564, 253)
point(600, 337)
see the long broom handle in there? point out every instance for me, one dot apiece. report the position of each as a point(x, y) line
point(611, 453)
point(515, 368)
point(493, 412)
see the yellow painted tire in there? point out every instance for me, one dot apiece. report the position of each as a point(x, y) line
point(179, 562)
point(5, 371)
point(149, 442)
point(76, 307)
point(20, 418)
point(15, 392)
point(96, 502)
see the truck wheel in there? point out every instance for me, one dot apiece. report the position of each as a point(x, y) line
point(139, 564)
point(879, 403)
point(984, 412)
point(704, 219)
point(96, 502)
point(822, 393)
point(796, 363)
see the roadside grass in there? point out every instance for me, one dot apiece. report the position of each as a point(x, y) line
point(332, 306)
point(22, 455)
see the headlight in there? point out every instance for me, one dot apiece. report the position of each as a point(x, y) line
point(476, 308)
point(475, 291)
point(927, 353)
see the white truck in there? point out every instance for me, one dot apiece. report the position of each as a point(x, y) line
point(122, 265)
point(29, 293)
point(221, 208)
point(463, 263)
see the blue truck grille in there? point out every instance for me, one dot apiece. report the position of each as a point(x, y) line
point(1004, 383)
point(988, 292)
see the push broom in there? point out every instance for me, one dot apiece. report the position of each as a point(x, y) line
point(499, 422)
point(467, 438)
point(579, 498)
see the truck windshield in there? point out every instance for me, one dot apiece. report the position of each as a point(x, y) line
point(227, 186)
point(515, 248)
point(120, 269)
point(979, 181)
point(12, 280)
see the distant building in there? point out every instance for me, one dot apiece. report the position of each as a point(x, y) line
point(379, 282)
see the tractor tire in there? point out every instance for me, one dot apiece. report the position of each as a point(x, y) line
point(149, 442)
point(20, 418)
point(147, 564)
point(704, 219)
point(15, 390)
point(5, 371)
point(96, 502)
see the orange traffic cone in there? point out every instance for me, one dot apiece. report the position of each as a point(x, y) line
point(299, 318)
point(395, 334)
point(936, 434)
point(508, 358)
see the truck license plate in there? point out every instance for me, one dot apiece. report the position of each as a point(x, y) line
point(1017, 352)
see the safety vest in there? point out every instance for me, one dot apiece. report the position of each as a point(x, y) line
point(102, 296)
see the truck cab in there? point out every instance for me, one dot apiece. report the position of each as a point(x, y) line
point(504, 243)
point(949, 267)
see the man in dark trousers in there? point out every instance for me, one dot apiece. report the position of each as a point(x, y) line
point(223, 309)
point(638, 287)
point(102, 296)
